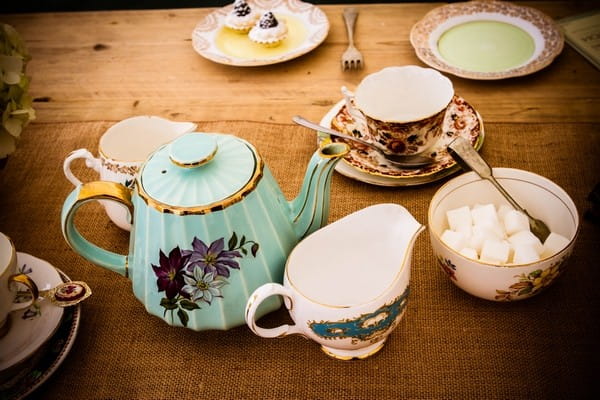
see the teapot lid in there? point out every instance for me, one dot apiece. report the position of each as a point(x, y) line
point(198, 173)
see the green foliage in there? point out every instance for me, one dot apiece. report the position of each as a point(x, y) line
point(15, 102)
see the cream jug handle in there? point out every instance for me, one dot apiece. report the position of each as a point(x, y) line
point(80, 195)
point(259, 295)
point(90, 162)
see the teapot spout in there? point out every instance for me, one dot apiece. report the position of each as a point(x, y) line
point(310, 209)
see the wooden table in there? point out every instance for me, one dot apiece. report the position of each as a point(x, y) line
point(92, 69)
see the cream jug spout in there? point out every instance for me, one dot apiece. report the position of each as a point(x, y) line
point(310, 209)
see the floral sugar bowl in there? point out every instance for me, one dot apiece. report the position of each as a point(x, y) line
point(210, 225)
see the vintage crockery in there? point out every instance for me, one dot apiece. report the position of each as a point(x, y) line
point(210, 225)
point(346, 286)
point(487, 39)
point(360, 163)
point(122, 149)
point(10, 278)
point(307, 25)
point(32, 327)
point(32, 372)
point(402, 107)
point(509, 282)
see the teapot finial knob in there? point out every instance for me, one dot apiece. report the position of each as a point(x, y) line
point(193, 149)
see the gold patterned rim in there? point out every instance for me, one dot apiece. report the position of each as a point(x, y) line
point(424, 35)
point(313, 18)
point(355, 166)
point(196, 163)
point(46, 362)
point(208, 208)
point(351, 357)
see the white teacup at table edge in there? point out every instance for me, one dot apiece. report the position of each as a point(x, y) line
point(9, 278)
point(122, 149)
point(346, 286)
point(401, 107)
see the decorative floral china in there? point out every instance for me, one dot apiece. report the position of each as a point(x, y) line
point(368, 166)
point(122, 149)
point(308, 27)
point(30, 328)
point(210, 225)
point(345, 297)
point(401, 107)
point(506, 282)
point(34, 371)
point(497, 20)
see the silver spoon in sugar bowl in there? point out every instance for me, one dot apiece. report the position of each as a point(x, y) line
point(469, 159)
point(412, 161)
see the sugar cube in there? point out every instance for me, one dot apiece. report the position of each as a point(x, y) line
point(459, 218)
point(480, 234)
point(486, 216)
point(526, 237)
point(469, 253)
point(495, 251)
point(503, 209)
point(553, 244)
point(455, 240)
point(466, 230)
point(515, 221)
point(525, 253)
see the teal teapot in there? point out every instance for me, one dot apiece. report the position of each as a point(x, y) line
point(209, 226)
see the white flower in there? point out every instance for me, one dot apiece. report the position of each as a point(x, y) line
point(203, 287)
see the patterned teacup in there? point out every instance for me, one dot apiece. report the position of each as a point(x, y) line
point(9, 278)
point(122, 149)
point(402, 108)
point(328, 292)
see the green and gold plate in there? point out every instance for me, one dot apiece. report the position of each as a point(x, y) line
point(486, 39)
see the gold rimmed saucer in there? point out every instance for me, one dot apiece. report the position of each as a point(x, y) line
point(482, 39)
point(38, 368)
point(461, 119)
point(32, 327)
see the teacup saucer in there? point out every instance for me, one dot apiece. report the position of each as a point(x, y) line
point(368, 166)
point(30, 374)
point(30, 328)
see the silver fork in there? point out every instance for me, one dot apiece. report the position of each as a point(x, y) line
point(352, 58)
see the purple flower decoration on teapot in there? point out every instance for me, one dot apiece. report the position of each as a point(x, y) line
point(170, 272)
point(189, 277)
point(212, 259)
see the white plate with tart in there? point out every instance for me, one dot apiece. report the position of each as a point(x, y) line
point(307, 27)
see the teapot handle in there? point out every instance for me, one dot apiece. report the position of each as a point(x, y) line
point(259, 295)
point(98, 190)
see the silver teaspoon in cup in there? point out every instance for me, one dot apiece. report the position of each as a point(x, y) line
point(469, 159)
point(415, 161)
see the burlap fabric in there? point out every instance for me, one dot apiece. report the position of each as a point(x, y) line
point(450, 345)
